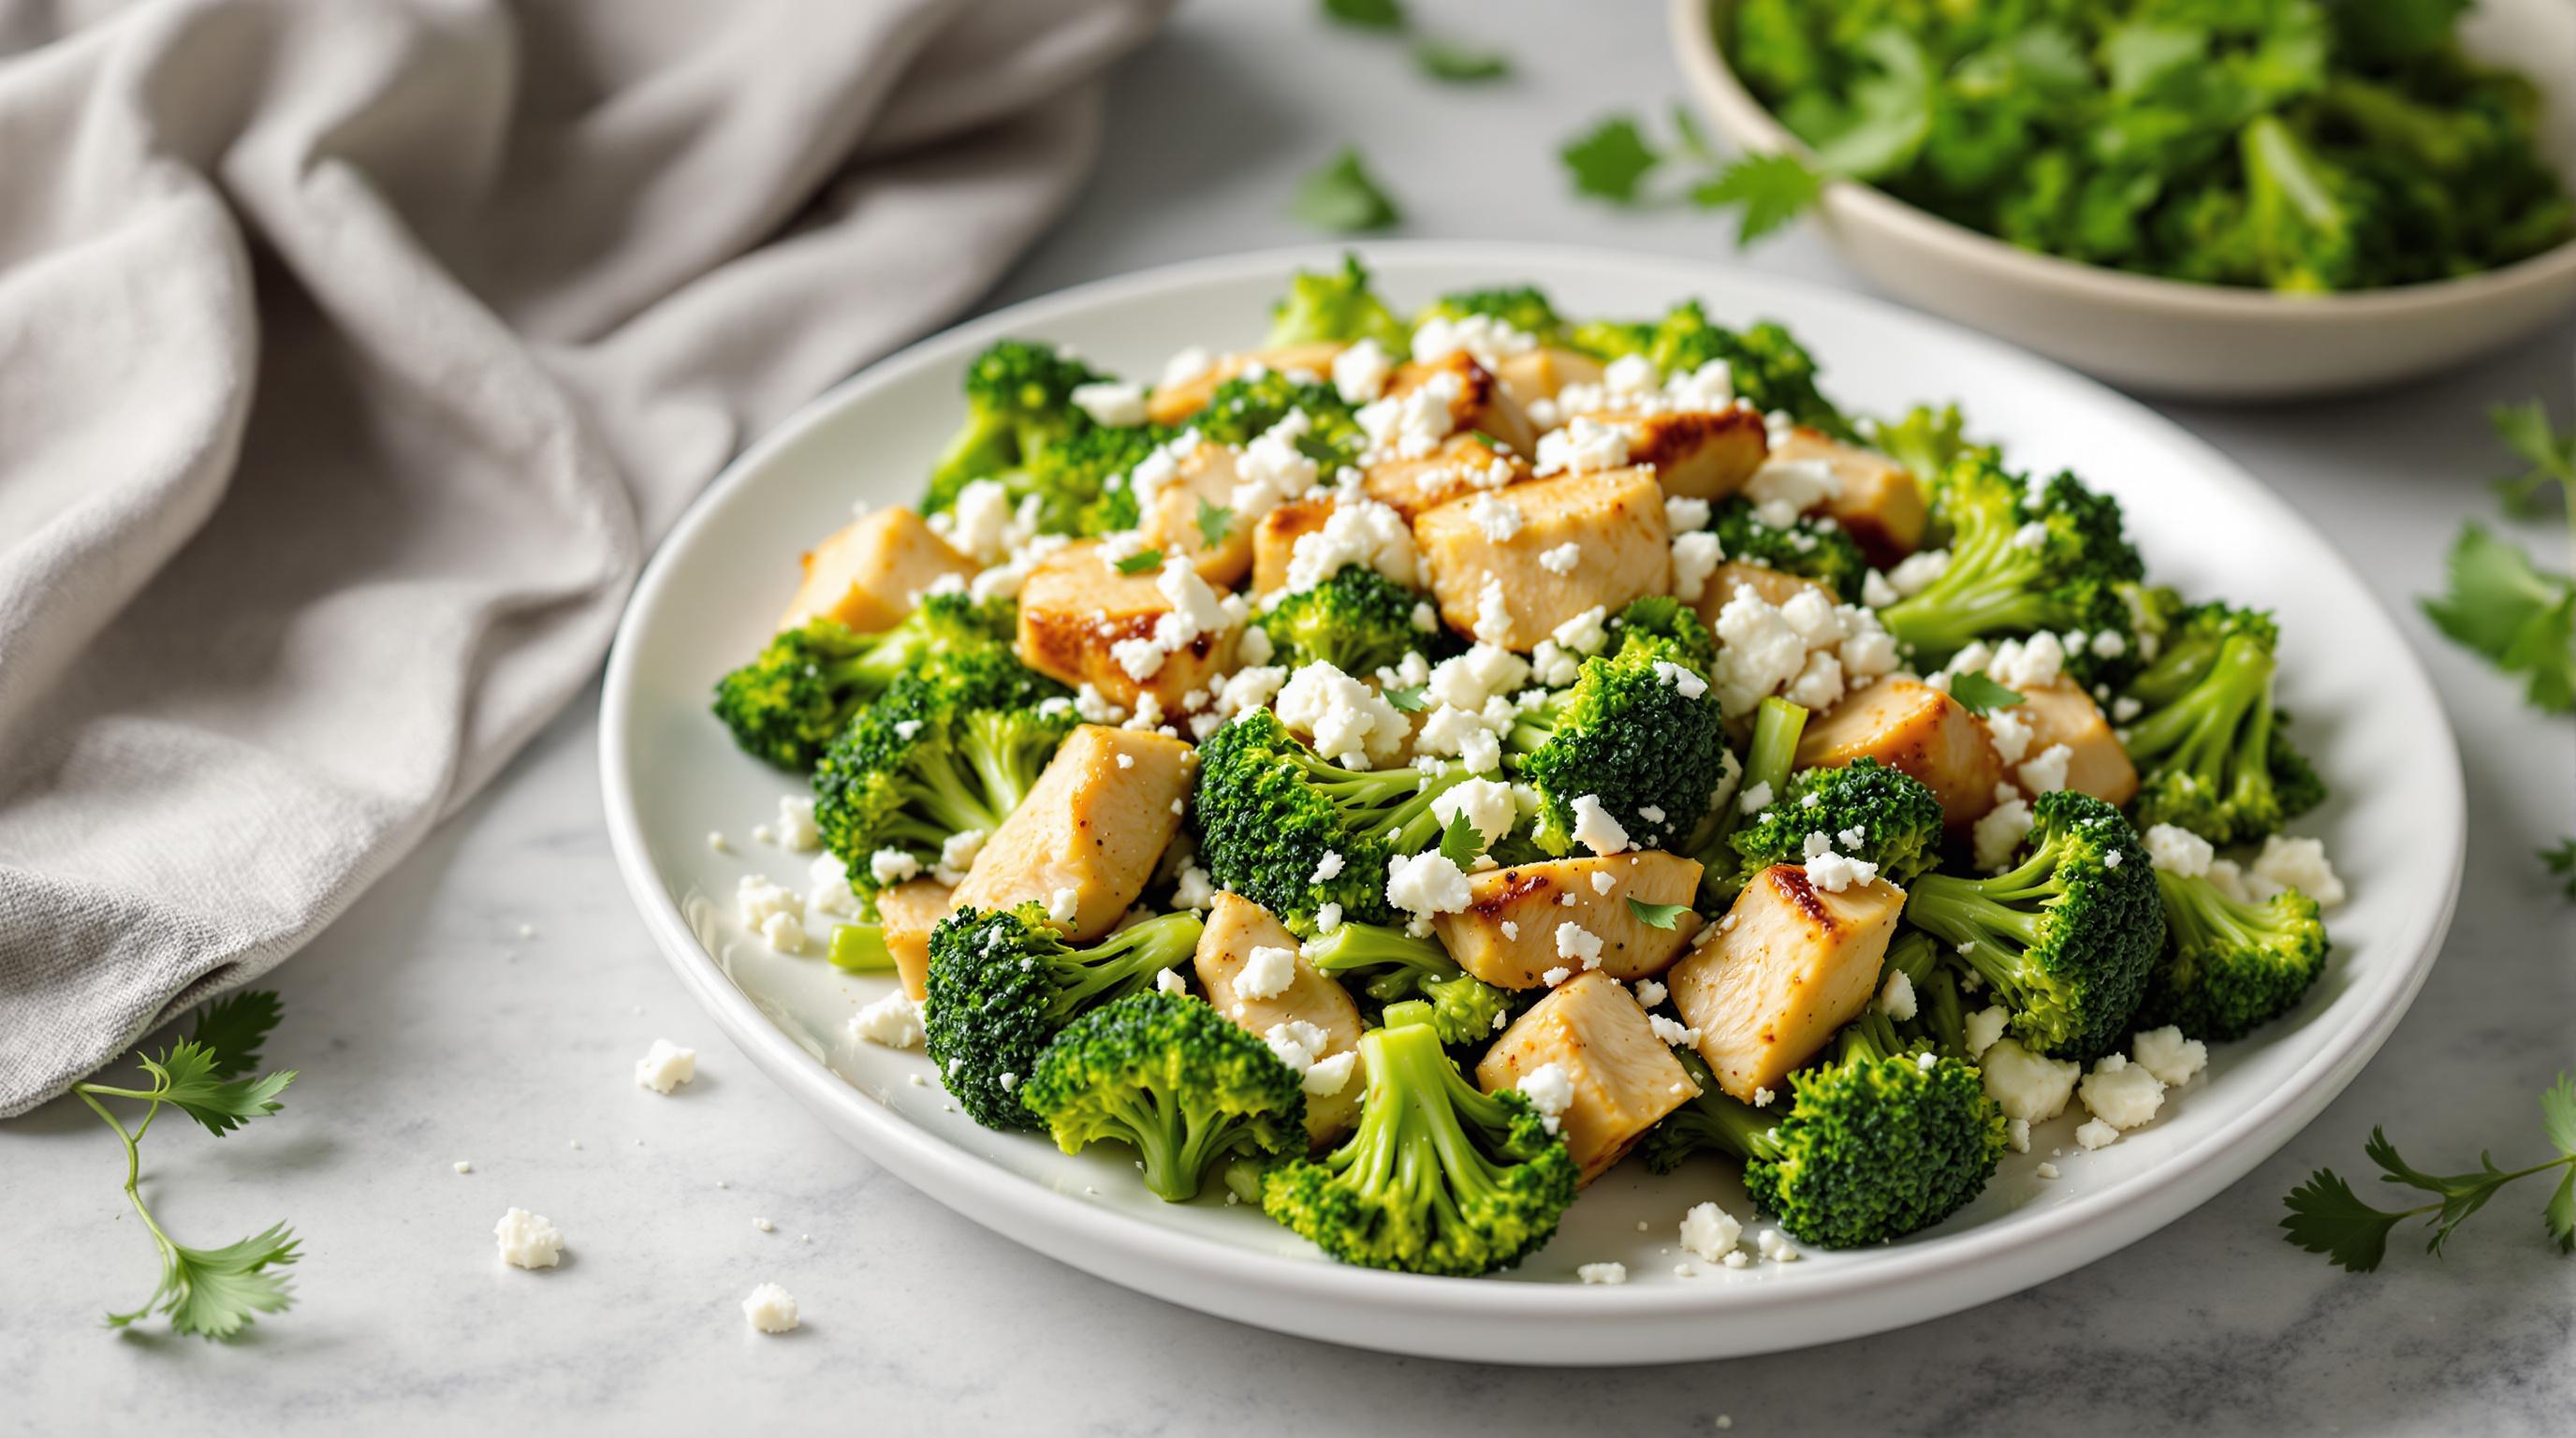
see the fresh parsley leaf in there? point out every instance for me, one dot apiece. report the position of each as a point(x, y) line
point(1460, 64)
point(232, 1028)
point(1215, 522)
point(1366, 14)
point(1656, 916)
point(2520, 619)
point(1139, 562)
point(188, 1079)
point(2560, 1216)
point(2327, 1217)
point(2525, 428)
point(1343, 198)
point(1980, 695)
point(1462, 841)
point(2562, 862)
point(2558, 1115)
point(213, 1292)
point(1610, 160)
point(1772, 190)
point(1406, 700)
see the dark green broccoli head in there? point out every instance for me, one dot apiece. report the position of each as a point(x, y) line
point(1769, 369)
point(1004, 982)
point(1358, 621)
point(1292, 833)
point(2066, 937)
point(1172, 1078)
point(1019, 400)
point(1335, 307)
point(952, 746)
point(1081, 482)
point(1639, 729)
point(1876, 1144)
point(1249, 405)
point(1523, 307)
point(2211, 753)
point(2058, 560)
point(1437, 1178)
point(1811, 548)
point(1898, 821)
point(788, 702)
point(2229, 966)
point(1389, 966)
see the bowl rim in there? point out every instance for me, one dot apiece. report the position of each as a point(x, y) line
point(1116, 1247)
point(1725, 98)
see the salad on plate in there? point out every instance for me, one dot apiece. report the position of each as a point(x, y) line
point(1392, 773)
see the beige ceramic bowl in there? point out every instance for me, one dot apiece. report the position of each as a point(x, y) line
point(2168, 336)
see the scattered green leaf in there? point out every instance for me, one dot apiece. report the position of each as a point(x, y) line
point(1407, 699)
point(1342, 198)
point(2562, 862)
point(1461, 841)
point(1656, 916)
point(1610, 160)
point(1771, 190)
point(1460, 64)
point(2519, 618)
point(1366, 14)
point(2327, 1217)
point(1215, 522)
point(1141, 561)
point(2525, 428)
point(1980, 695)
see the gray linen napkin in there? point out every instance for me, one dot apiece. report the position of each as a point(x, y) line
point(351, 354)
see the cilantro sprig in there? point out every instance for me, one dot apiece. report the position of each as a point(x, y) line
point(1656, 916)
point(210, 1292)
point(2327, 1217)
point(1448, 60)
point(2498, 604)
point(1343, 197)
point(1980, 695)
point(1614, 159)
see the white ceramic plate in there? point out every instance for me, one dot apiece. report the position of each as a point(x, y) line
point(670, 775)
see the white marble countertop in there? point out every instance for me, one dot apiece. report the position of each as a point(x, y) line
point(429, 1030)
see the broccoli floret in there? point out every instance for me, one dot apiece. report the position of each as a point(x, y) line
point(1247, 405)
point(1019, 400)
point(2230, 966)
point(1438, 1178)
point(1081, 482)
point(2065, 939)
point(1809, 548)
point(1927, 441)
point(1004, 982)
point(1357, 621)
point(1391, 966)
point(1173, 1079)
point(1677, 624)
point(1639, 729)
point(1940, 1013)
point(2056, 561)
point(1270, 811)
point(2209, 747)
point(1522, 307)
point(788, 702)
point(1335, 307)
point(952, 746)
point(1768, 368)
point(1874, 1145)
point(1899, 820)
point(1777, 723)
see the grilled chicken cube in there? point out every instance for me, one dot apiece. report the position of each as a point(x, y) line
point(1696, 454)
point(1914, 727)
point(1173, 403)
point(906, 914)
point(1545, 372)
point(1879, 504)
point(1274, 539)
point(1235, 927)
point(1462, 465)
point(1507, 934)
point(2060, 712)
point(1207, 477)
point(1772, 586)
point(1624, 1077)
point(1092, 824)
point(870, 573)
point(1476, 401)
point(1565, 545)
point(1792, 964)
point(1076, 609)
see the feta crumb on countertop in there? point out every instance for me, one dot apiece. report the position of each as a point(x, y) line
point(764, 1225)
point(464, 1165)
point(1602, 1273)
point(770, 1309)
point(528, 1240)
point(666, 1066)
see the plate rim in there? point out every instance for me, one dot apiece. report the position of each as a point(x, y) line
point(1110, 1245)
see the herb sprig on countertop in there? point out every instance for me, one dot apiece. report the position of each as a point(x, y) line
point(2327, 1217)
point(2501, 606)
point(210, 1292)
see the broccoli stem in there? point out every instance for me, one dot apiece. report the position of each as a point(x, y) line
point(1425, 1103)
point(1355, 946)
point(860, 949)
point(1984, 594)
point(1983, 921)
point(2201, 731)
point(1173, 1141)
point(1767, 761)
point(1130, 956)
point(1717, 1119)
point(1389, 804)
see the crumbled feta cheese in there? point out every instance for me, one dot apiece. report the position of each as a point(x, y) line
point(1120, 406)
point(2300, 864)
point(1756, 799)
point(893, 1022)
point(784, 933)
point(1482, 337)
point(1762, 1097)
point(1710, 1231)
point(757, 899)
point(1487, 803)
point(2022, 665)
point(1783, 489)
point(1328, 918)
point(1556, 976)
point(828, 890)
point(2033, 536)
point(1915, 572)
point(1359, 532)
point(2046, 1170)
point(1169, 981)
point(1266, 973)
point(1426, 884)
point(528, 1240)
point(1670, 1033)
point(2011, 734)
point(2179, 851)
point(1596, 828)
point(1696, 556)
point(1775, 1245)
point(666, 1066)
point(1582, 446)
point(1602, 1272)
point(1360, 371)
point(1650, 992)
point(1573, 941)
point(1064, 904)
point(2120, 1093)
point(1342, 714)
point(1682, 677)
point(2047, 773)
point(1185, 366)
point(770, 1309)
point(892, 866)
point(1412, 424)
point(2025, 1084)
point(1984, 1027)
point(1896, 997)
point(1498, 518)
point(1562, 558)
point(1834, 872)
point(1550, 1089)
point(2094, 1133)
point(1329, 1075)
point(1297, 1043)
point(2164, 1052)
point(2017, 1134)
point(1997, 836)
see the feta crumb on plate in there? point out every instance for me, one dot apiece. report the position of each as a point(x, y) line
point(1602, 1273)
